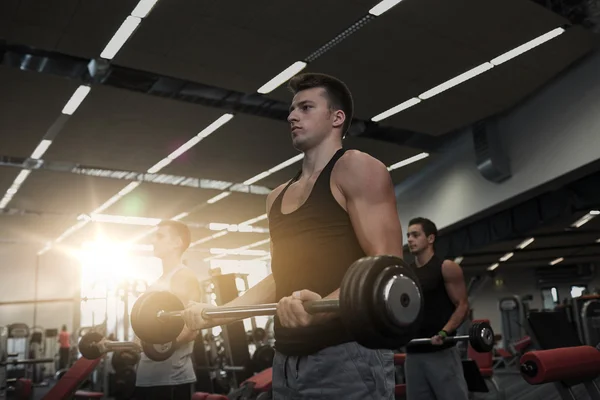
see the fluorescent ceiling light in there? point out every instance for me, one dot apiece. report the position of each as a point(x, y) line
point(22, 176)
point(12, 190)
point(383, 6)
point(517, 51)
point(120, 37)
point(219, 122)
point(143, 8)
point(218, 197)
point(276, 168)
point(125, 220)
point(583, 220)
point(409, 160)
point(554, 262)
point(597, 240)
point(506, 257)
point(184, 147)
point(41, 149)
point(159, 165)
point(396, 109)
point(493, 267)
point(254, 220)
point(76, 99)
point(595, 212)
point(525, 243)
point(458, 260)
point(457, 80)
point(282, 77)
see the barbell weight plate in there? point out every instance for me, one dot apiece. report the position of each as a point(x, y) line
point(158, 352)
point(122, 359)
point(363, 308)
point(148, 327)
point(481, 337)
point(86, 345)
point(398, 303)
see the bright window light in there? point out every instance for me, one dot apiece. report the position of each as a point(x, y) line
point(517, 51)
point(41, 149)
point(525, 243)
point(76, 99)
point(408, 161)
point(457, 80)
point(143, 8)
point(282, 77)
point(383, 6)
point(120, 37)
point(396, 109)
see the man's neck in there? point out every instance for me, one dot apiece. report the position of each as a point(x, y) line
point(316, 159)
point(170, 263)
point(424, 257)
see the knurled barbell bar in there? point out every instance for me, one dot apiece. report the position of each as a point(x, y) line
point(380, 304)
point(93, 345)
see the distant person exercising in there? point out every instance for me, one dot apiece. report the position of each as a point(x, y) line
point(64, 340)
point(173, 378)
point(434, 371)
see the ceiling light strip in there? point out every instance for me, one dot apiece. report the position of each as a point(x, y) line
point(470, 74)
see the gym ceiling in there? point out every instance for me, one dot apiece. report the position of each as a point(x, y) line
point(190, 63)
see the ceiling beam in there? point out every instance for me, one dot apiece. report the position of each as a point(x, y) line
point(102, 72)
point(133, 176)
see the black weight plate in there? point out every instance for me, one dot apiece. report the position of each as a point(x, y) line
point(355, 310)
point(123, 359)
point(263, 358)
point(86, 347)
point(148, 327)
point(133, 315)
point(158, 352)
point(481, 337)
point(401, 332)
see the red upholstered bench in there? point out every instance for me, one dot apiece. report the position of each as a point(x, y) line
point(66, 387)
point(208, 396)
point(400, 390)
point(85, 395)
point(216, 397)
point(399, 358)
point(263, 381)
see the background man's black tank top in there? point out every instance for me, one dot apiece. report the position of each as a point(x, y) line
point(438, 306)
point(312, 249)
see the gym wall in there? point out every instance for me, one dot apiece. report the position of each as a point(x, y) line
point(552, 133)
point(521, 282)
point(58, 278)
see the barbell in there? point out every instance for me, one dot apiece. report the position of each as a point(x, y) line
point(93, 345)
point(480, 337)
point(380, 304)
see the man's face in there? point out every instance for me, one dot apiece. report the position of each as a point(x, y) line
point(311, 119)
point(166, 242)
point(417, 240)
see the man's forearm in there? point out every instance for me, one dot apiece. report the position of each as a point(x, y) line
point(457, 318)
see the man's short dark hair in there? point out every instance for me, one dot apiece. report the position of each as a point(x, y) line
point(338, 94)
point(181, 230)
point(428, 226)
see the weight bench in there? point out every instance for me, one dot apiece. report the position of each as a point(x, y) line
point(208, 396)
point(66, 387)
point(508, 358)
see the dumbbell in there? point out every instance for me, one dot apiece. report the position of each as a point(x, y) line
point(93, 345)
point(480, 337)
point(380, 304)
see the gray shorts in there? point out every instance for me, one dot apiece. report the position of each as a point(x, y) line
point(435, 376)
point(347, 371)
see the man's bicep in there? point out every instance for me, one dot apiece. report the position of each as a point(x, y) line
point(455, 283)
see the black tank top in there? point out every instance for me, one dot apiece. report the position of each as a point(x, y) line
point(312, 249)
point(438, 306)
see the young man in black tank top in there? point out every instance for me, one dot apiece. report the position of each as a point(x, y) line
point(434, 371)
point(338, 208)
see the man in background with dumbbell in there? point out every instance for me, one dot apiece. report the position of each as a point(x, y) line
point(338, 208)
point(173, 378)
point(434, 371)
